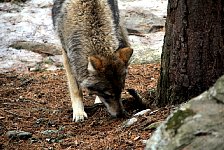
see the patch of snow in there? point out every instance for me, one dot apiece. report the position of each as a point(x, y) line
point(32, 22)
point(157, 7)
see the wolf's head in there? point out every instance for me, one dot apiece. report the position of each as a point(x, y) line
point(107, 78)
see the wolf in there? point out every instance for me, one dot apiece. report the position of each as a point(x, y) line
point(96, 52)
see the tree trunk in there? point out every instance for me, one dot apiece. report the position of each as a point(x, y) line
point(193, 50)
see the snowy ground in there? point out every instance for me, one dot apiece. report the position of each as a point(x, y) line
point(157, 7)
point(32, 22)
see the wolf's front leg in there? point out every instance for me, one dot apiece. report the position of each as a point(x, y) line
point(77, 105)
point(75, 93)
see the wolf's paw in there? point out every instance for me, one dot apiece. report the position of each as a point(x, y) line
point(79, 115)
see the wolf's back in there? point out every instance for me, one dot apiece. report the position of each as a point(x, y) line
point(113, 5)
point(91, 24)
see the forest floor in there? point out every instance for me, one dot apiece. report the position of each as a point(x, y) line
point(39, 103)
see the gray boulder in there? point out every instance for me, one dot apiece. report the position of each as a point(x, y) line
point(145, 21)
point(143, 16)
point(142, 21)
point(196, 125)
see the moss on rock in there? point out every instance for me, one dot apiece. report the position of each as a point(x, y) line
point(177, 119)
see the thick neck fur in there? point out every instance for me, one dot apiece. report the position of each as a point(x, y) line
point(89, 22)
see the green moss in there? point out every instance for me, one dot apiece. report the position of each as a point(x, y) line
point(177, 119)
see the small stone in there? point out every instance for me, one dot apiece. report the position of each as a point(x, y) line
point(33, 69)
point(136, 138)
point(1, 118)
point(52, 68)
point(11, 134)
point(40, 120)
point(24, 135)
point(142, 112)
point(130, 122)
point(76, 142)
point(33, 140)
point(48, 139)
point(49, 132)
point(18, 134)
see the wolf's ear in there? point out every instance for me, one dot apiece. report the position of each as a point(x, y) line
point(95, 64)
point(124, 54)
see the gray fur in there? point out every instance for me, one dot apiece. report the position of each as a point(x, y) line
point(95, 49)
point(87, 27)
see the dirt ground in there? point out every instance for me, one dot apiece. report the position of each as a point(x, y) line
point(39, 103)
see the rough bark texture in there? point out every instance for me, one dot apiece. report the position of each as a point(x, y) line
point(193, 51)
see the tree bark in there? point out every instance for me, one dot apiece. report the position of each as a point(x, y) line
point(193, 50)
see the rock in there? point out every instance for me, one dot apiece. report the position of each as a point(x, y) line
point(18, 134)
point(12, 134)
point(48, 132)
point(40, 120)
point(52, 68)
point(46, 49)
point(129, 122)
point(141, 21)
point(147, 48)
point(24, 135)
point(34, 69)
point(142, 16)
point(134, 119)
point(196, 125)
point(136, 138)
point(142, 112)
